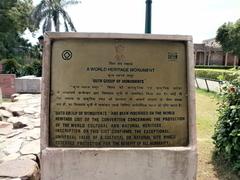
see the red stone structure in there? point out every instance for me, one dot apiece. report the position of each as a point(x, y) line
point(210, 53)
point(7, 85)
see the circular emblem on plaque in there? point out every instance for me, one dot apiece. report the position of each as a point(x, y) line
point(66, 55)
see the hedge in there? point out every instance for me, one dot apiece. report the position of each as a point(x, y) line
point(213, 67)
point(216, 74)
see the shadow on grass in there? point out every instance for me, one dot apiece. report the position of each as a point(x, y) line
point(223, 168)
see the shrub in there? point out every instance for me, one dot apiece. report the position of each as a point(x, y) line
point(215, 74)
point(227, 130)
point(27, 70)
point(37, 68)
point(11, 66)
point(213, 67)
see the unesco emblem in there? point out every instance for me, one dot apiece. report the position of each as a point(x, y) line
point(66, 55)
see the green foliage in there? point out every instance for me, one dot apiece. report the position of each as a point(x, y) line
point(216, 74)
point(227, 130)
point(13, 46)
point(228, 35)
point(5, 22)
point(19, 15)
point(37, 68)
point(15, 15)
point(34, 68)
point(10, 66)
point(50, 12)
point(27, 70)
point(213, 67)
point(14, 20)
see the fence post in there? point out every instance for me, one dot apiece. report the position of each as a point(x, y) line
point(196, 82)
point(206, 85)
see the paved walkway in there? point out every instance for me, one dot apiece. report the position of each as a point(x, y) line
point(20, 137)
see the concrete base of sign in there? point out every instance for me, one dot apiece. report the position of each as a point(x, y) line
point(119, 164)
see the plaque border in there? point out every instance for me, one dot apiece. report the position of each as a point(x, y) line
point(50, 37)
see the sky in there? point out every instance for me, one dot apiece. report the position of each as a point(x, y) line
point(199, 18)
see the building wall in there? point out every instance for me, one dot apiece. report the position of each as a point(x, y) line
point(230, 60)
point(217, 58)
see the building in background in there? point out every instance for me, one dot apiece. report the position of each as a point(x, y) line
point(210, 53)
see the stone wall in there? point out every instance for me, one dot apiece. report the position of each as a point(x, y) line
point(7, 84)
point(217, 58)
point(28, 84)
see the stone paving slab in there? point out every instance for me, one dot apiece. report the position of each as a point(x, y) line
point(20, 137)
point(20, 168)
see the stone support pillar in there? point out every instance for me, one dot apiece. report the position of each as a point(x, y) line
point(235, 61)
point(195, 57)
point(204, 57)
point(209, 57)
point(226, 59)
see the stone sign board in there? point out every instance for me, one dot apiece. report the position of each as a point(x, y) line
point(7, 84)
point(117, 98)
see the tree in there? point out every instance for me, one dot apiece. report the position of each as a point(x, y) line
point(14, 20)
point(15, 16)
point(17, 55)
point(50, 11)
point(20, 15)
point(228, 35)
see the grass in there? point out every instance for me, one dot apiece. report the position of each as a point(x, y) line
point(206, 105)
point(206, 113)
point(209, 168)
point(6, 100)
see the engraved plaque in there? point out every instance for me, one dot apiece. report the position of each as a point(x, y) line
point(118, 93)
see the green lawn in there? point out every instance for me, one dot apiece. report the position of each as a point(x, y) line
point(208, 169)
